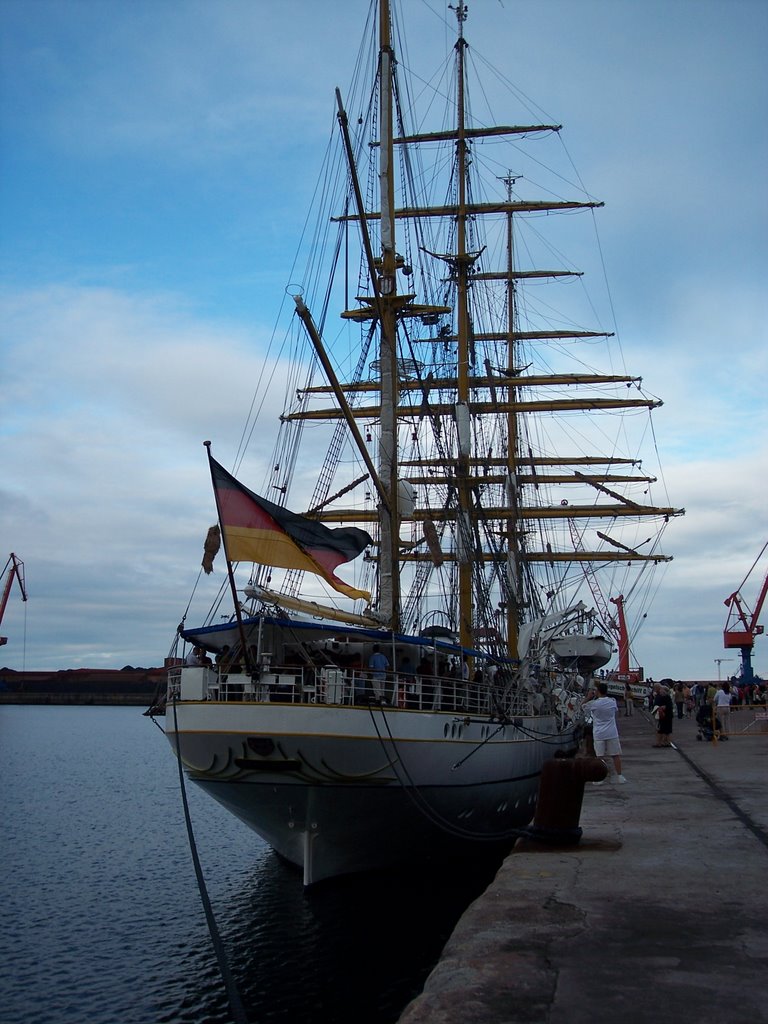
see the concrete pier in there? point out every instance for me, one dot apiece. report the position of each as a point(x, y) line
point(659, 914)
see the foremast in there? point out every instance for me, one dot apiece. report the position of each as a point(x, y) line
point(514, 596)
point(464, 263)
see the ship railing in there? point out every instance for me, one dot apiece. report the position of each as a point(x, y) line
point(332, 685)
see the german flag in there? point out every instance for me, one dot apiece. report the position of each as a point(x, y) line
point(257, 530)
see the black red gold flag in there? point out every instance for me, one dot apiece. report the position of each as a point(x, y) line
point(257, 530)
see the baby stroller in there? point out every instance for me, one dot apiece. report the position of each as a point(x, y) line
point(704, 722)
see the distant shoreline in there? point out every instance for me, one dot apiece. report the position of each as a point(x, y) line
point(78, 699)
point(134, 687)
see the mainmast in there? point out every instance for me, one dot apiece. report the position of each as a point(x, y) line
point(389, 518)
point(463, 264)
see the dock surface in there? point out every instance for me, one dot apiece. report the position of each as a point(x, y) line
point(659, 914)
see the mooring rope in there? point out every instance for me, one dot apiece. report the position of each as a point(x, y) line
point(233, 995)
point(420, 802)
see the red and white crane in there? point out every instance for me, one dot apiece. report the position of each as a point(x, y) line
point(742, 626)
point(624, 673)
point(14, 570)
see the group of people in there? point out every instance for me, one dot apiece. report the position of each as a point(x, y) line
point(603, 711)
point(197, 658)
point(705, 700)
point(755, 693)
point(227, 660)
point(669, 700)
point(445, 684)
point(666, 701)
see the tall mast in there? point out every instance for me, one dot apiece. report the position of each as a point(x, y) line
point(463, 263)
point(514, 567)
point(495, 390)
point(389, 519)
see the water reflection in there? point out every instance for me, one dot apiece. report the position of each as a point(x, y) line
point(102, 918)
point(351, 950)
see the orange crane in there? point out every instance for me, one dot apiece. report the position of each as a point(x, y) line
point(741, 626)
point(14, 569)
point(625, 673)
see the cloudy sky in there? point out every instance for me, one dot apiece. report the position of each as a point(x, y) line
point(156, 159)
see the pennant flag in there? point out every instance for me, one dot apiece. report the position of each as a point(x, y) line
point(257, 530)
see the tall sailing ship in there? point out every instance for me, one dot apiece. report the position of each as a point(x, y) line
point(407, 651)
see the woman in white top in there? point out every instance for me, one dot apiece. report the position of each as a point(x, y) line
point(722, 705)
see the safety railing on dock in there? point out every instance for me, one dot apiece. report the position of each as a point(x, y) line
point(737, 721)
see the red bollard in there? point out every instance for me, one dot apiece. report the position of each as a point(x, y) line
point(561, 791)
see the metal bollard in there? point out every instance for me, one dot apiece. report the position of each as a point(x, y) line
point(561, 791)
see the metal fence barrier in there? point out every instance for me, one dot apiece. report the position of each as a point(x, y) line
point(739, 720)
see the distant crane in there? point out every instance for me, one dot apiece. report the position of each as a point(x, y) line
point(741, 626)
point(719, 662)
point(625, 673)
point(616, 626)
point(14, 569)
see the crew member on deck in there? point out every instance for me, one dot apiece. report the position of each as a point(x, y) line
point(195, 657)
point(378, 663)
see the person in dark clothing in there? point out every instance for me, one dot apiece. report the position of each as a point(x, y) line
point(663, 712)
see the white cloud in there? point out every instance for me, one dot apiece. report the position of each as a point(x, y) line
point(106, 495)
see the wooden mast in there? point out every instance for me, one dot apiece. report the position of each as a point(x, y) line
point(465, 541)
point(389, 518)
point(475, 390)
point(514, 566)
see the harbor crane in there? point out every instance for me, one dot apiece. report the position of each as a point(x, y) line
point(625, 673)
point(741, 626)
point(14, 570)
point(616, 626)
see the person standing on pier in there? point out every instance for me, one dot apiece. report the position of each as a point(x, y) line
point(722, 705)
point(679, 701)
point(629, 701)
point(605, 732)
point(663, 711)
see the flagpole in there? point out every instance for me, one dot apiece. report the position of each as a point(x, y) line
point(241, 629)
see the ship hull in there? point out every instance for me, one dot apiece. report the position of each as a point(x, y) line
point(340, 791)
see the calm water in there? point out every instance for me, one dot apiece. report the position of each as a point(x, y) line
point(101, 914)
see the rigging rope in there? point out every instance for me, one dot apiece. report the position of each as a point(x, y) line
point(233, 995)
point(421, 804)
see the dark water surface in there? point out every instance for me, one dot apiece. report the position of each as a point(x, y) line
point(101, 916)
